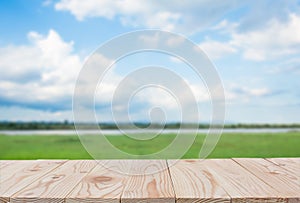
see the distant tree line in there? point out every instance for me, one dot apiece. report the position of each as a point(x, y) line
point(65, 125)
point(36, 125)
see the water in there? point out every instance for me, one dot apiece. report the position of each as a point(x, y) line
point(166, 131)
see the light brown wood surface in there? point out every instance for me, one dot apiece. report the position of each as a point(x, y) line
point(240, 184)
point(4, 163)
point(193, 182)
point(18, 175)
point(7, 170)
point(104, 183)
point(282, 180)
point(197, 181)
point(151, 184)
point(290, 164)
point(57, 184)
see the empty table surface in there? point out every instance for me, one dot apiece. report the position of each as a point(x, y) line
point(209, 180)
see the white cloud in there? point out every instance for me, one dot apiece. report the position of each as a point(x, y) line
point(259, 13)
point(225, 26)
point(276, 36)
point(173, 16)
point(42, 72)
point(216, 50)
point(14, 113)
point(290, 66)
point(176, 59)
point(151, 40)
point(41, 76)
point(239, 93)
point(47, 2)
point(175, 41)
point(158, 97)
point(164, 20)
point(275, 40)
point(257, 92)
point(147, 97)
point(107, 86)
point(157, 40)
point(89, 8)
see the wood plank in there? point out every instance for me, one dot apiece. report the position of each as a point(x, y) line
point(283, 182)
point(16, 166)
point(18, 175)
point(289, 164)
point(241, 180)
point(3, 176)
point(152, 185)
point(194, 183)
point(240, 184)
point(56, 185)
point(122, 167)
point(4, 199)
point(4, 163)
point(104, 183)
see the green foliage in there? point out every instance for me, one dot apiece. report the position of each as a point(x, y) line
point(230, 145)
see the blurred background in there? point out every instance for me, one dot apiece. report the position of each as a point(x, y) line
point(254, 45)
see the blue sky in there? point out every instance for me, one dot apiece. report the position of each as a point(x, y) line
point(255, 46)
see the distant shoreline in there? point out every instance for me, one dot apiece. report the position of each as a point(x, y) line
point(149, 131)
point(7, 125)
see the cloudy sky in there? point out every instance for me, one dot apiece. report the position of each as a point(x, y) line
point(254, 45)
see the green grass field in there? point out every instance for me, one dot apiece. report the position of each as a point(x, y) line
point(230, 145)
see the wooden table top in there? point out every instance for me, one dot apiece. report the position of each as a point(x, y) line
point(210, 180)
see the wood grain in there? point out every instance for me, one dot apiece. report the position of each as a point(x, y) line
point(194, 183)
point(18, 175)
point(216, 180)
point(104, 183)
point(152, 185)
point(8, 169)
point(290, 164)
point(278, 178)
point(240, 184)
point(4, 163)
point(57, 184)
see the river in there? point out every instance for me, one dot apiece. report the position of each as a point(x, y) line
point(166, 131)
